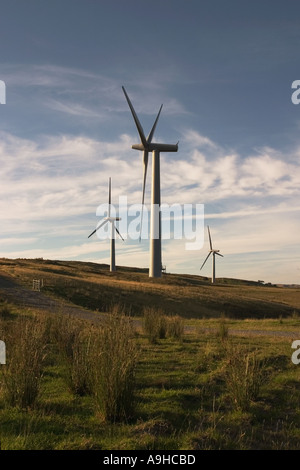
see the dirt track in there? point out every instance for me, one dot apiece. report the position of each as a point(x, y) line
point(13, 292)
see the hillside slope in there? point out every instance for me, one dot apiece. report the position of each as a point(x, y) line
point(92, 286)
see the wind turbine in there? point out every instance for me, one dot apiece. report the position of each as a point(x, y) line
point(213, 252)
point(112, 221)
point(146, 146)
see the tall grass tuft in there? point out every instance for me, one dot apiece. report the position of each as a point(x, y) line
point(80, 379)
point(244, 375)
point(113, 367)
point(73, 339)
point(175, 327)
point(5, 311)
point(155, 324)
point(223, 330)
point(26, 349)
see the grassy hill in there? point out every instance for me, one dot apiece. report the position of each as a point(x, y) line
point(92, 286)
point(224, 383)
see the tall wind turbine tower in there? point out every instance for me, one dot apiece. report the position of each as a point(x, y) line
point(213, 252)
point(114, 229)
point(146, 146)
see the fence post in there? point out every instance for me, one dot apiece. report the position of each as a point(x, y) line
point(36, 284)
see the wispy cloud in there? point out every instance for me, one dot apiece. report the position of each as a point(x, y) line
point(48, 75)
point(73, 109)
point(80, 93)
point(254, 210)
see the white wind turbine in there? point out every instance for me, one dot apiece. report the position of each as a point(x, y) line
point(112, 221)
point(146, 145)
point(213, 252)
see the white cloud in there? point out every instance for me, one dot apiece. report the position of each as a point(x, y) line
point(52, 186)
point(216, 174)
point(195, 140)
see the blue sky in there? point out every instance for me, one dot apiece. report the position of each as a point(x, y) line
point(223, 71)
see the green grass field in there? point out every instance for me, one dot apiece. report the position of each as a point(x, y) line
point(210, 389)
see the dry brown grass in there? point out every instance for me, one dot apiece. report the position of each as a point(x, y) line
point(189, 296)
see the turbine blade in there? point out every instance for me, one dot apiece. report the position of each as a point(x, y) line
point(146, 154)
point(205, 260)
point(136, 119)
point(209, 238)
point(119, 233)
point(219, 254)
point(109, 196)
point(99, 226)
point(150, 136)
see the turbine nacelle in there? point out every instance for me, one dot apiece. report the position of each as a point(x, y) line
point(112, 219)
point(156, 147)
